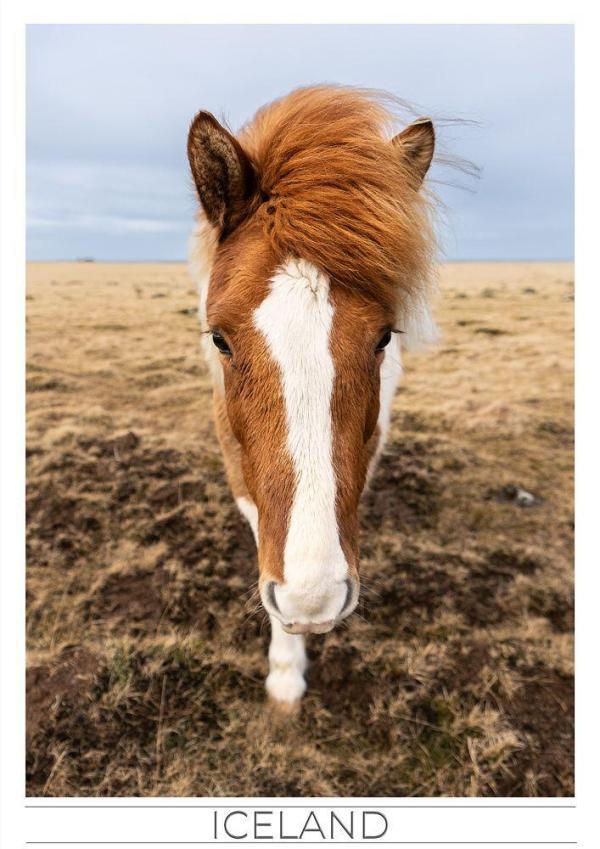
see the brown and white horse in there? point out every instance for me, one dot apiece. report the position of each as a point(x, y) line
point(312, 254)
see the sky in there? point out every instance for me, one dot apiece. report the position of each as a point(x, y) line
point(108, 110)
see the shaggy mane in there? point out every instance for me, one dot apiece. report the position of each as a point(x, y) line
point(338, 194)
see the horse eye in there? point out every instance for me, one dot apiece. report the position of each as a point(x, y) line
point(385, 340)
point(221, 344)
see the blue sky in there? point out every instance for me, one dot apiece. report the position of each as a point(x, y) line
point(108, 108)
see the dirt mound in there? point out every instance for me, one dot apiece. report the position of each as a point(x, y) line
point(67, 680)
point(97, 492)
point(405, 489)
point(543, 709)
point(128, 710)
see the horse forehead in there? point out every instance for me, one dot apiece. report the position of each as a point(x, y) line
point(297, 307)
point(300, 299)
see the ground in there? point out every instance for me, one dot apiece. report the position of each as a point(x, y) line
point(146, 660)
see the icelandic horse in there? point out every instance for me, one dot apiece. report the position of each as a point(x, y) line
point(313, 254)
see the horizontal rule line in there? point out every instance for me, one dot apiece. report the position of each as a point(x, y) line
point(302, 807)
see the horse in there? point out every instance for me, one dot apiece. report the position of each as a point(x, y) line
point(313, 252)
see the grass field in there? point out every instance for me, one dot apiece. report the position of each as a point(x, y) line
point(145, 662)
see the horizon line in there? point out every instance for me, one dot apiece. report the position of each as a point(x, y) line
point(179, 261)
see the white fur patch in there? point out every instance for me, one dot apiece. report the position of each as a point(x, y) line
point(295, 319)
point(389, 376)
point(249, 511)
point(417, 323)
point(418, 331)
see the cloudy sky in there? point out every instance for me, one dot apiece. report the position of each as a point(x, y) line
point(108, 109)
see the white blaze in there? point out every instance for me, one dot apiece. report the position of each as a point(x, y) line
point(295, 319)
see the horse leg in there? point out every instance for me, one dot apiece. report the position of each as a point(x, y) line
point(287, 664)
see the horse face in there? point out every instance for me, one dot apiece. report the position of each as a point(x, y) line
point(301, 362)
point(306, 363)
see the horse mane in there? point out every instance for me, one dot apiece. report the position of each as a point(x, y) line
point(337, 193)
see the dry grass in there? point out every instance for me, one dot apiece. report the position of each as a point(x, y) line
point(146, 664)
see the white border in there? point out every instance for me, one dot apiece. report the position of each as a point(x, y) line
point(477, 819)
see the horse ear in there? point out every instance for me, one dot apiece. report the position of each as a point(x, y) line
point(415, 145)
point(224, 176)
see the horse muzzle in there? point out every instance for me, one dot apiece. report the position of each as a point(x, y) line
point(310, 612)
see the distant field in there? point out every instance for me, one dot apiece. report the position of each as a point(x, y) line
point(146, 663)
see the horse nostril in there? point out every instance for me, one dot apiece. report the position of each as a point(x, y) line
point(271, 596)
point(349, 591)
